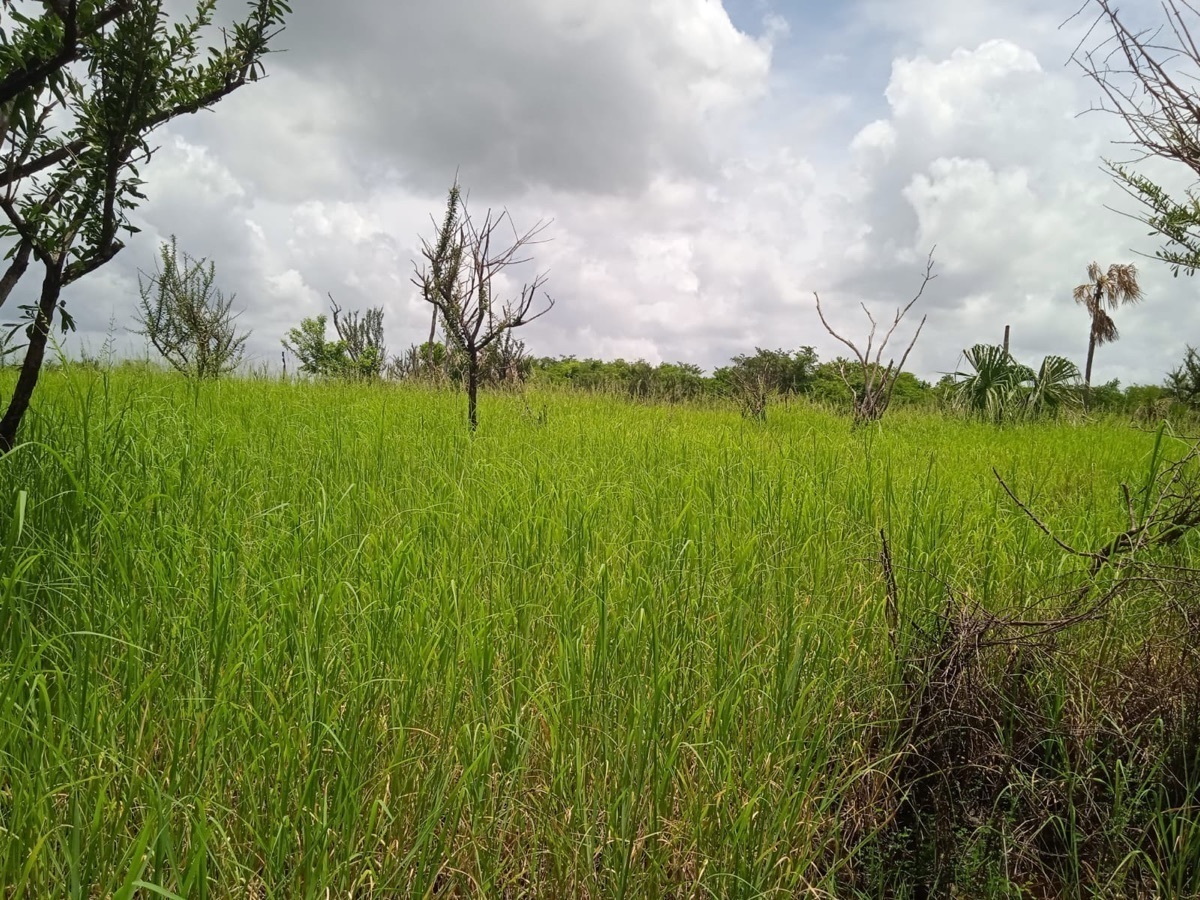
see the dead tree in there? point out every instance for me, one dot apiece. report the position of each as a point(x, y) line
point(878, 381)
point(1148, 79)
point(458, 279)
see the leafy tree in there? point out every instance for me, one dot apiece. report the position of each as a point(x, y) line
point(187, 320)
point(78, 134)
point(426, 362)
point(753, 380)
point(362, 341)
point(1000, 386)
point(1183, 382)
point(505, 362)
point(1113, 289)
point(36, 56)
point(784, 371)
point(317, 355)
point(358, 353)
point(458, 280)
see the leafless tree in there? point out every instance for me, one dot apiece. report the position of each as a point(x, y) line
point(186, 318)
point(1148, 78)
point(872, 399)
point(458, 278)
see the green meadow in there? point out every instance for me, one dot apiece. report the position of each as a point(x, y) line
point(269, 639)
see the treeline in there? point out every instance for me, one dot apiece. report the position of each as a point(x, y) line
point(775, 374)
point(780, 372)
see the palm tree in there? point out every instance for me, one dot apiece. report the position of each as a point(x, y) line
point(1055, 385)
point(1115, 288)
point(994, 387)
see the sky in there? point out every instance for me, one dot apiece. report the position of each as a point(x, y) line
point(704, 169)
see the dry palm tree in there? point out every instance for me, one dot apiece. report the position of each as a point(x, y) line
point(1115, 288)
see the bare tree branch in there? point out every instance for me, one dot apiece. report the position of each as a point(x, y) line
point(458, 279)
point(879, 381)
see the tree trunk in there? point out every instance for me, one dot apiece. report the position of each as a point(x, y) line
point(1087, 371)
point(473, 390)
point(20, 262)
point(34, 353)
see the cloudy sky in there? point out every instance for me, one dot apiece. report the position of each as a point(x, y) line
point(707, 168)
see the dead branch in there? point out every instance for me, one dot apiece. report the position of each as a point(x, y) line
point(1131, 69)
point(879, 381)
point(1174, 512)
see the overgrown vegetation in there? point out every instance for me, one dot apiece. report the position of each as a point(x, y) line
point(304, 637)
point(671, 661)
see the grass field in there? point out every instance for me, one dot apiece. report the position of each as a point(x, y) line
point(262, 640)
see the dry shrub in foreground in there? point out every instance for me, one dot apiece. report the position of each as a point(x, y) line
point(1040, 752)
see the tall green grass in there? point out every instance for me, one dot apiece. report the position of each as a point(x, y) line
point(305, 640)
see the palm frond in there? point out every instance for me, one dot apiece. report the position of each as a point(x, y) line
point(1121, 286)
point(1055, 385)
point(997, 380)
point(1104, 329)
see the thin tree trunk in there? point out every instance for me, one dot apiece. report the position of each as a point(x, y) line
point(1087, 371)
point(34, 354)
point(472, 390)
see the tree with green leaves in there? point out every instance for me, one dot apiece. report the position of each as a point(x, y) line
point(1054, 385)
point(1103, 291)
point(188, 320)
point(999, 387)
point(1183, 382)
point(361, 337)
point(993, 389)
point(78, 135)
point(317, 355)
point(35, 56)
point(752, 379)
point(458, 278)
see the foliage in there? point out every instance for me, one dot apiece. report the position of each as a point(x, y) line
point(1053, 386)
point(838, 381)
point(1183, 382)
point(359, 352)
point(999, 387)
point(995, 387)
point(1147, 78)
point(78, 134)
point(751, 381)
point(188, 321)
point(784, 371)
point(361, 339)
point(317, 355)
point(669, 382)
